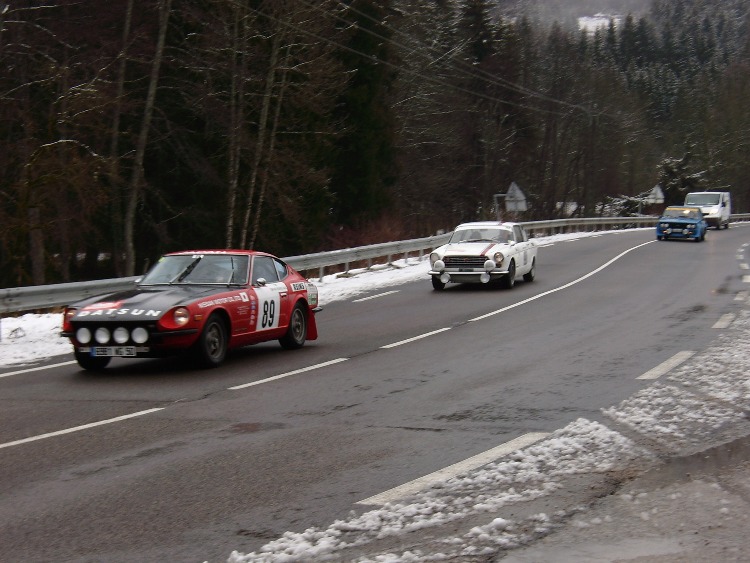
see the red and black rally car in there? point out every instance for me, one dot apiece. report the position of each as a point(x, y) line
point(201, 301)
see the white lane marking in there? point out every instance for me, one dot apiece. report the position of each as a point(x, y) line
point(287, 374)
point(746, 279)
point(741, 296)
point(724, 321)
point(744, 266)
point(375, 296)
point(567, 285)
point(29, 370)
point(78, 428)
point(425, 335)
point(667, 365)
point(446, 473)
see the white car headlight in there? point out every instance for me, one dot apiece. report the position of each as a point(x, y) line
point(434, 257)
point(489, 265)
point(498, 258)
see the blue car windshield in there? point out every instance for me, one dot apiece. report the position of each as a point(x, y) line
point(681, 213)
point(222, 269)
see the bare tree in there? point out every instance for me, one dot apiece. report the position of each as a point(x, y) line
point(137, 177)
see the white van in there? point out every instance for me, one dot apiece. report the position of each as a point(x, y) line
point(716, 207)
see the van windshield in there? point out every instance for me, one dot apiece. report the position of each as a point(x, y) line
point(702, 199)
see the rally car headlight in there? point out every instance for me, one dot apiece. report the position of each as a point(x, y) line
point(489, 265)
point(121, 335)
point(434, 257)
point(101, 335)
point(181, 316)
point(83, 335)
point(140, 335)
point(498, 258)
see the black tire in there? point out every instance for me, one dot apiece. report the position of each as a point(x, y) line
point(659, 237)
point(211, 348)
point(92, 363)
point(437, 284)
point(531, 274)
point(296, 333)
point(510, 280)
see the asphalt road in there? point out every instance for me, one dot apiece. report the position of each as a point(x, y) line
point(224, 466)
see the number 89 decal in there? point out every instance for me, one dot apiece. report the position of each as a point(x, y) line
point(269, 308)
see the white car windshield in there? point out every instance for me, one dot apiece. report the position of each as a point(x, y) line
point(198, 269)
point(481, 235)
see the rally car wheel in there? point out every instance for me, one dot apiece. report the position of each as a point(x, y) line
point(211, 348)
point(296, 333)
point(92, 363)
point(510, 280)
point(531, 274)
point(437, 284)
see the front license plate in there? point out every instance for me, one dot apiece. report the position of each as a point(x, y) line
point(120, 351)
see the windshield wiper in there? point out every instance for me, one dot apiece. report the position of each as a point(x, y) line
point(186, 272)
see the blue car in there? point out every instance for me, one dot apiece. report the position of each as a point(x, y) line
point(682, 223)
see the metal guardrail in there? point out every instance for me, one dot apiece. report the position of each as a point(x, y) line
point(18, 299)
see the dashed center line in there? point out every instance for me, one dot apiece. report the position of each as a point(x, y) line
point(440, 475)
point(425, 335)
point(287, 374)
point(724, 321)
point(375, 296)
point(78, 428)
point(668, 365)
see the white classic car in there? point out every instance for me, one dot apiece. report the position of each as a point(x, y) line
point(483, 252)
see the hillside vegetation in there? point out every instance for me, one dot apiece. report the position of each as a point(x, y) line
point(128, 129)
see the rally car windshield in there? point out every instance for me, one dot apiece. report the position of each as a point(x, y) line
point(479, 235)
point(681, 213)
point(222, 269)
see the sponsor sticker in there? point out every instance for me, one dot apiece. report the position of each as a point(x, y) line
point(240, 297)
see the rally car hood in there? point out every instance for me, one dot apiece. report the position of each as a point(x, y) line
point(471, 248)
point(140, 302)
point(679, 220)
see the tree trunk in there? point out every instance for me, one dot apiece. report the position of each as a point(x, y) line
point(136, 182)
point(262, 124)
point(236, 118)
point(36, 244)
point(269, 156)
point(115, 181)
